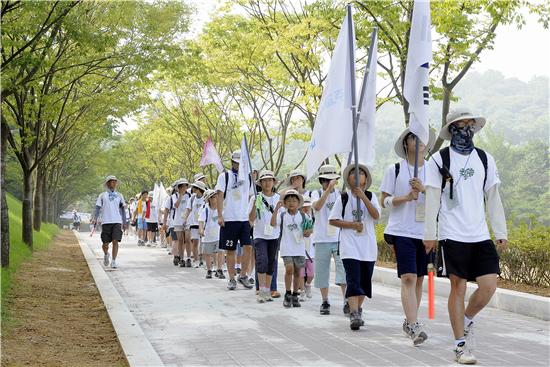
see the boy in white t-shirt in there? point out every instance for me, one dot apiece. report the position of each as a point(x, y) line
point(461, 183)
point(358, 248)
point(179, 201)
point(403, 195)
point(192, 217)
point(294, 227)
point(209, 230)
point(111, 204)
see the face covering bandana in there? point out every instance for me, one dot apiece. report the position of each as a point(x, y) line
point(461, 139)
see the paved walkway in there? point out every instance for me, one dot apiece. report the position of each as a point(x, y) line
point(190, 320)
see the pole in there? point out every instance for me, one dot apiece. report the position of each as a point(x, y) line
point(250, 173)
point(364, 85)
point(353, 103)
point(417, 144)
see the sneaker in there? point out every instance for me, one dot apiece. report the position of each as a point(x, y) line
point(469, 334)
point(287, 302)
point(354, 321)
point(406, 328)
point(463, 355)
point(268, 297)
point(189, 263)
point(209, 274)
point(232, 285)
point(295, 301)
point(418, 335)
point(201, 263)
point(245, 282)
point(302, 296)
point(275, 294)
point(148, 244)
point(140, 243)
point(182, 263)
point(325, 308)
point(346, 309)
point(106, 259)
point(176, 260)
point(361, 316)
point(216, 273)
point(163, 245)
point(260, 297)
point(308, 291)
point(238, 270)
point(114, 264)
point(220, 274)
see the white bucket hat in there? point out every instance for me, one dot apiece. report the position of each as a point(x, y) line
point(181, 181)
point(109, 178)
point(209, 193)
point(307, 201)
point(461, 113)
point(329, 172)
point(236, 156)
point(265, 174)
point(295, 173)
point(350, 167)
point(198, 176)
point(295, 193)
point(199, 185)
point(400, 149)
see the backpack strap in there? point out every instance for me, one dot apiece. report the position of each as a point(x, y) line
point(266, 204)
point(226, 173)
point(445, 170)
point(483, 156)
point(281, 229)
point(206, 214)
point(397, 166)
point(345, 198)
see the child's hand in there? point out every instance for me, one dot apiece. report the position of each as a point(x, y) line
point(201, 232)
point(279, 205)
point(358, 226)
point(307, 233)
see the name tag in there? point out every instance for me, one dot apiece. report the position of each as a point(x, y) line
point(236, 194)
point(268, 230)
point(420, 212)
point(331, 230)
point(298, 236)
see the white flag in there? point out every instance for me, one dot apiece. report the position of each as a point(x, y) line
point(365, 128)
point(333, 128)
point(162, 195)
point(210, 156)
point(244, 166)
point(155, 197)
point(419, 56)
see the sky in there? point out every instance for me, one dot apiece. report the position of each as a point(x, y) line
point(521, 54)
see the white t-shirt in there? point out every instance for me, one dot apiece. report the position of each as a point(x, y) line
point(403, 220)
point(235, 204)
point(466, 221)
point(110, 202)
point(262, 224)
point(197, 203)
point(211, 228)
point(322, 231)
point(177, 213)
point(166, 206)
point(359, 246)
point(153, 214)
point(292, 239)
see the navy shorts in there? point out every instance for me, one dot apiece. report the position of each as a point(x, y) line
point(232, 233)
point(411, 256)
point(358, 277)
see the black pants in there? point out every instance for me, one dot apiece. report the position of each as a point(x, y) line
point(266, 253)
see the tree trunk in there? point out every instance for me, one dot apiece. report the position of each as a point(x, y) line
point(5, 222)
point(27, 207)
point(37, 208)
point(447, 93)
point(45, 202)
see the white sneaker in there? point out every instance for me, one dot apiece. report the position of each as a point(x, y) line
point(106, 259)
point(308, 291)
point(469, 335)
point(114, 264)
point(463, 355)
point(148, 244)
point(195, 264)
point(418, 335)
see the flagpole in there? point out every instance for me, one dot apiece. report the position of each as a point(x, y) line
point(417, 145)
point(250, 165)
point(353, 104)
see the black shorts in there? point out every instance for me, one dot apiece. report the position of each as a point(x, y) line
point(152, 227)
point(467, 260)
point(111, 232)
point(233, 232)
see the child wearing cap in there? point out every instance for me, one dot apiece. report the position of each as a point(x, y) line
point(358, 248)
point(195, 203)
point(292, 224)
point(307, 272)
point(209, 231)
point(266, 236)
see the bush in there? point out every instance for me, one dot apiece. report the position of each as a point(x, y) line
point(526, 260)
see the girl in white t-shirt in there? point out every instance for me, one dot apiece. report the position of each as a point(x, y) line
point(191, 215)
point(209, 230)
point(307, 272)
point(358, 248)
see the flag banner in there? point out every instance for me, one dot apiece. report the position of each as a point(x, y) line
point(365, 127)
point(210, 156)
point(419, 56)
point(244, 166)
point(333, 129)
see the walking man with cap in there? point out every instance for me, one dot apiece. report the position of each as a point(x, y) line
point(232, 209)
point(461, 184)
point(111, 203)
point(403, 195)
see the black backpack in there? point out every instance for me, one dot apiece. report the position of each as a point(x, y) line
point(227, 182)
point(445, 169)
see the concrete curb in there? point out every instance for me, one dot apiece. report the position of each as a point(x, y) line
point(503, 299)
point(137, 348)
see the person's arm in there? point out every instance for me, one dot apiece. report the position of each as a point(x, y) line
point(358, 226)
point(122, 215)
point(201, 228)
point(275, 213)
point(373, 212)
point(96, 214)
point(219, 203)
point(433, 202)
point(496, 214)
point(389, 201)
point(186, 214)
point(318, 204)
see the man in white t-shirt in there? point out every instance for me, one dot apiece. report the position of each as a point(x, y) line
point(403, 195)
point(325, 237)
point(461, 183)
point(111, 204)
point(233, 219)
point(178, 204)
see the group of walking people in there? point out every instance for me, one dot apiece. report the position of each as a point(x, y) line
point(245, 225)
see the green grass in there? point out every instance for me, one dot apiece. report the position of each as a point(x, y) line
point(19, 252)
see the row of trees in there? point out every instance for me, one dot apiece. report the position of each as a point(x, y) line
point(70, 69)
